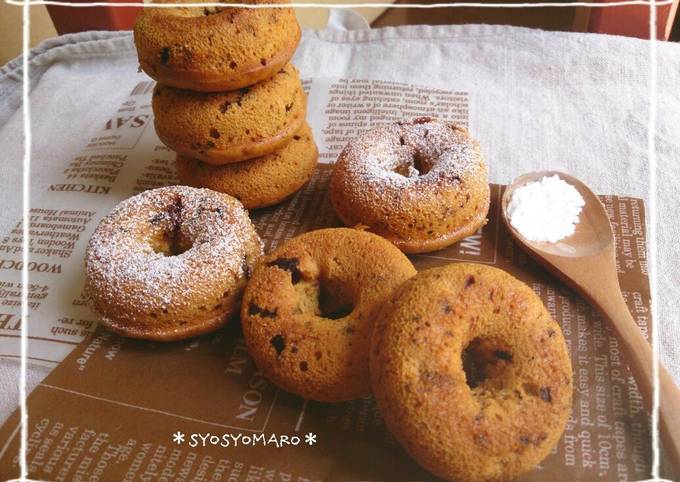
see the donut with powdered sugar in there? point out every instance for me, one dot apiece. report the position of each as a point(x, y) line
point(422, 184)
point(170, 263)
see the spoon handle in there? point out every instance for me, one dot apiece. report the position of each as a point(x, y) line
point(608, 299)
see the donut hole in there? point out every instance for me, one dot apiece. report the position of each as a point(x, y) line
point(486, 363)
point(170, 244)
point(166, 237)
point(421, 163)
point(324, 297)
point(334, 301)
point(418, 165)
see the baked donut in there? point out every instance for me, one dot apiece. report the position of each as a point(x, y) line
point(219, 128)
point(258, 182)
point(470, 373)
point(170, 263)
point(214, 49)
point(422, 184)
point(308, 311)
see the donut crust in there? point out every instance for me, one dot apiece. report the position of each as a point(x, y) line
point(225, 127)
point(471, 373)
point(210, 50)
point(170, 263)
point(308, 311)
point(422, 184)
point(259, 182)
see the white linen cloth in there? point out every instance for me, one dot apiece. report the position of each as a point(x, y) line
point(540, 100)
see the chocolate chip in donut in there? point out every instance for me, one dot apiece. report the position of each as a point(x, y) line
point(255, 310)
point(165, 55)
point(279, 343)
point(288, 264)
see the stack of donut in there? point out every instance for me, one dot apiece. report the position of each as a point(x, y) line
point(228, 101)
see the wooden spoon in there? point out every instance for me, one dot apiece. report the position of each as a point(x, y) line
point(586, 261)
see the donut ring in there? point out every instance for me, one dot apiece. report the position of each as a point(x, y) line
point(308, 311)
point(258, 182)
point(170, 263)
point(422, 184)
point(470, 373)
point(215, 49)
point(219, 128)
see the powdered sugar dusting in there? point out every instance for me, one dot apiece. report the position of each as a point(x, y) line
point(130, 261)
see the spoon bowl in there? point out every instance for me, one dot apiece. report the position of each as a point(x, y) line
point(586, 261)
point(593, 232)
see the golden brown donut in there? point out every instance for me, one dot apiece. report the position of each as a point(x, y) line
point(170, 263)
point(215, 49)
point(422, 184)
point(470, 373)
point(258, 182)
point(308, 311)
point(219, 128)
